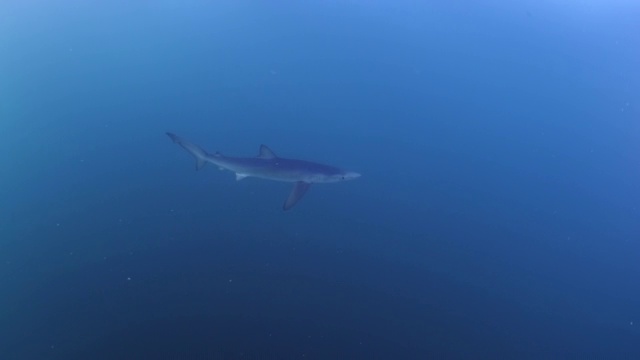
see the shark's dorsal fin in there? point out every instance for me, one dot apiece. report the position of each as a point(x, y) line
point(266, 153)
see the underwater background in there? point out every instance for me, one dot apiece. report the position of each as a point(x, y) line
point(497, 216)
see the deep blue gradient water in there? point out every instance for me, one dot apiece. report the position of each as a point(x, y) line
point(498, 215)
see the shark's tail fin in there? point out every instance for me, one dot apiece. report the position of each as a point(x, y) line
point(193, 149)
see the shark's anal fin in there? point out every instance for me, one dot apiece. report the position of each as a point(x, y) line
point(266, 153)
point(240, 176)
point(299, 189)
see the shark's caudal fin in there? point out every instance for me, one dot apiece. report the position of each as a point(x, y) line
point(193, 149)
point(299, 189)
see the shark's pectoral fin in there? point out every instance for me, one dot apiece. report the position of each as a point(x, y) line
point(240, 176)
point(299, 189)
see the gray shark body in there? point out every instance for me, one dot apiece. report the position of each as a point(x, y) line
point(271, 167)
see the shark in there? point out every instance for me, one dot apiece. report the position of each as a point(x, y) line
point(267, 165)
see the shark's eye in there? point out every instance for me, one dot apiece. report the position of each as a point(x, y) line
point(343, 178)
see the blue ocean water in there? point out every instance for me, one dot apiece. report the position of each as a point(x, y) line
point(497, 216)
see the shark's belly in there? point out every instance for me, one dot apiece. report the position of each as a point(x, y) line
point(269, 170)
point(279, 177)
